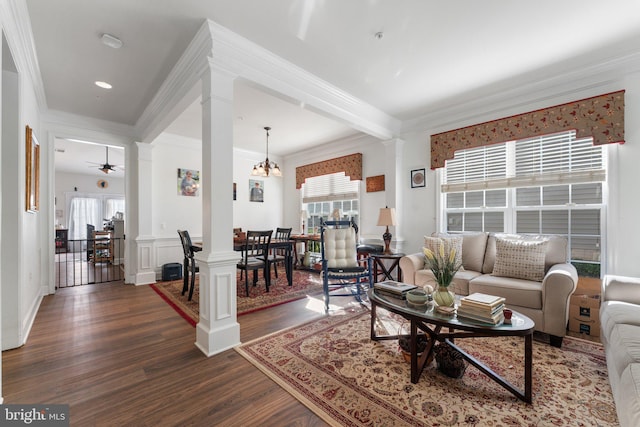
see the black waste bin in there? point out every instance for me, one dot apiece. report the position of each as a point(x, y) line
point(172, 271)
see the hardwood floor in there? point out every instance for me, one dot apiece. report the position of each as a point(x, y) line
point(120, 356)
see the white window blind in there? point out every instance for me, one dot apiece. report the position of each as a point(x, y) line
point(545, 160)
point(336, 186)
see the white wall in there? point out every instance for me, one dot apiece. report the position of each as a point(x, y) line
point(373, 164)
point(23, 283)
point(619, 253)
point(172, 211)
point(66, 182)
point(623, 228)
point(248, 215)
point(33, 230)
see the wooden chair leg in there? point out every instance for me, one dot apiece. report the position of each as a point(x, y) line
point(193, 281)
point(185, 270)
point(267, 275)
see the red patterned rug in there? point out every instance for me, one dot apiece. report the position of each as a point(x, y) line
point(333, 367)
point(304, 283)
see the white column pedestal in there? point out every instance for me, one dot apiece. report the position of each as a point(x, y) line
point(218, 329)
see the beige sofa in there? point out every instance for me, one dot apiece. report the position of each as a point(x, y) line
point(620, 335)
point(545, 301)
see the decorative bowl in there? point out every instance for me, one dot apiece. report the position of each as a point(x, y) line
point(417, 297)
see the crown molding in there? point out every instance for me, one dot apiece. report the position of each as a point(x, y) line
point(16, 24)
point(258, 65)
point(537, 89)
point(179, 90)
point(329, 150)
point(219, 48)
point(67, 125)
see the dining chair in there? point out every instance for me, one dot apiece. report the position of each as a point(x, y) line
point(279, 255)
point(342, 273)
point(190, 265)
point(255, 253)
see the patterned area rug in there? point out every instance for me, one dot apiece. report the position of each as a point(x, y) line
point(304, 283)
point(333, 367)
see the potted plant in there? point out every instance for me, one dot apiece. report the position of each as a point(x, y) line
point(443, 265)
point(404, 342)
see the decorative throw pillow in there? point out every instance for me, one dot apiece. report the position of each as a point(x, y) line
point(520, 259)
point(433, 243)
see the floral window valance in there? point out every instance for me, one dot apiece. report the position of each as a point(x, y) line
point(601, 117)
point(351, 165)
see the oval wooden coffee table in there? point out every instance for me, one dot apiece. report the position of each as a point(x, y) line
point(447, 328)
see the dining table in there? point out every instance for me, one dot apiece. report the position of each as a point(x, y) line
point(287, 244)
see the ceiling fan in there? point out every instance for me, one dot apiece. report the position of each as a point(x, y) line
point(106, 167)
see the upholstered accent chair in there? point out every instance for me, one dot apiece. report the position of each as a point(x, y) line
point(342, 273)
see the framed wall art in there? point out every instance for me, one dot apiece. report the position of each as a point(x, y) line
point(256, 190)
point(32, 180)
point(188, 182)
point(418, 178)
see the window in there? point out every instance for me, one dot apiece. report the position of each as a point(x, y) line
point(90, 209)
point(322, 195)
point(551, 184)
point(113, 206)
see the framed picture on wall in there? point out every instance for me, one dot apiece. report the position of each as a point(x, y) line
point(256, 190)
point(418, 178)
point(32, 172)
point(188, 182)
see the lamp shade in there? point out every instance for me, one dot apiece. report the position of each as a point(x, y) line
point(387, 217)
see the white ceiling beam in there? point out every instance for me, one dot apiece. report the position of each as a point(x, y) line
point(248, 61)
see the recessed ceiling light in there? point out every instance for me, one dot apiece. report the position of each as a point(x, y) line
point(103, 85)
point(111, 41)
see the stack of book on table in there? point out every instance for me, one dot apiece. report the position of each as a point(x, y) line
point(482, 308)
point(393, 289)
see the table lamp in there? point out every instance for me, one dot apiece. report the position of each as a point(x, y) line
point(303, 219)
point(386, 218)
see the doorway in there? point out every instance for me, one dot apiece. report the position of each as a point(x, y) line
point(89, 213)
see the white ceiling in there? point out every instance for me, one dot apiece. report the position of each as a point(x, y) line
point(86, 158)
point(432, 53)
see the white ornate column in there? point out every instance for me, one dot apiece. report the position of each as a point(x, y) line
point(142, 178)
point(218, 329)
point(392, 185)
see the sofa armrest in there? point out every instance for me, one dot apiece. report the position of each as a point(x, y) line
point(409, 264)
point(621, 288)
point(557, 286)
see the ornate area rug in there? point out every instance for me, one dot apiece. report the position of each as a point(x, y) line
point(304, 283)
point(333, 367)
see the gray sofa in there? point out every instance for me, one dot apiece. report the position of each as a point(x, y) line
point(545, 301)
point(620, 335)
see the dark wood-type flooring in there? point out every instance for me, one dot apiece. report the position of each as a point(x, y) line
point(120, 356)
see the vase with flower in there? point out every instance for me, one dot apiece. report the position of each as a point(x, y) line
point(443, 265)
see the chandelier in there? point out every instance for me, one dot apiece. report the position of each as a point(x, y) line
point(266, 168)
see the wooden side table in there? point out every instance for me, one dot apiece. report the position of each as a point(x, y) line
point(380, 268)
